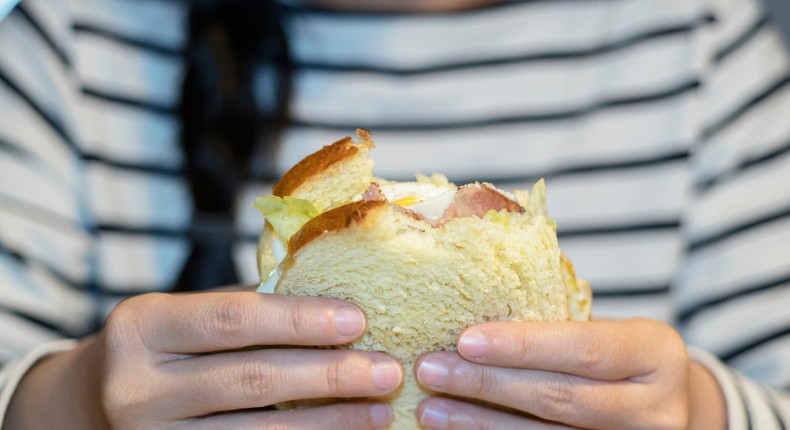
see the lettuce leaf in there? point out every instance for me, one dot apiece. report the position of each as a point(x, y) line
point(537, 203)
point(537, 199)
point(286, 214)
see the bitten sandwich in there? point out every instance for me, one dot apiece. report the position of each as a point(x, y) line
point(423, 259)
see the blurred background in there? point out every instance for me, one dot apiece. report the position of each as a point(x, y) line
point(780, 9)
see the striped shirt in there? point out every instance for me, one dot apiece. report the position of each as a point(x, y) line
point(661, 127)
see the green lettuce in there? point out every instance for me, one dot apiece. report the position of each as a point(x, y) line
point(286, 214)
point(537, 199)
point(537, 203)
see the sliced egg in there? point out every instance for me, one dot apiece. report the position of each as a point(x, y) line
point(426, 198)
point(412, 190)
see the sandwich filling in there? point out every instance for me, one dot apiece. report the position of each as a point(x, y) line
point(433, 200)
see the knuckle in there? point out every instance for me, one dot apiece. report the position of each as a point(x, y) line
point(125, 325)
point(296, 321)
point(678, 348)
point(125, 392)
point(257, 383)
point(484, 383)
point(657, 329)
point(557, 399)
point(226, 319)
point(589, 354)
point(117, 321)
point(678, 364)
point(141, 303)
point(342, 376)
point(675, 356)
point(115, 325)
point(334, 377)
point(524, 347)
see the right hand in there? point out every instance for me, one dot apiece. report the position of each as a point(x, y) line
point(193, 362)
point(183, 362)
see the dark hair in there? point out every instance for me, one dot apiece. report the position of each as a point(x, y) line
point(223, 127)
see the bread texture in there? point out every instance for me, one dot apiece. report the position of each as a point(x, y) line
point(336, 173)
point(419, 283)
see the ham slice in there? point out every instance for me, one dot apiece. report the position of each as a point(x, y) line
point(477, 199)
point(373, 193)
point(472, 200)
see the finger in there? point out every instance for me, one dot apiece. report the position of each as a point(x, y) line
point(254, 379)
point(436, 413)
point(341, 416)
point(233, 288)
point(222, 321)
point(559, 397)
point(607, 350)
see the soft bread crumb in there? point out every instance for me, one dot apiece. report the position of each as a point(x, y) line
point(421, 286)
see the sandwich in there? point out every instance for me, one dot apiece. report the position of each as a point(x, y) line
point(423, 259)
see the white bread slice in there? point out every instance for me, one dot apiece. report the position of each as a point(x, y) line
point(334, 175)
point(420, 285)
point(329, 177)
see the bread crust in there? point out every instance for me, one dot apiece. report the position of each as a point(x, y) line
point(318, 162)
point(335, 219)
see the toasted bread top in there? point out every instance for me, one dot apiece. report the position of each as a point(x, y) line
point(333, 220)
point(318, 162)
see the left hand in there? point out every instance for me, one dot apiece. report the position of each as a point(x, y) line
point(589, 375)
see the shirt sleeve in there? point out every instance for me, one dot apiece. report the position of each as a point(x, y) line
point(732, 289)
point(750, 405)
point(45, 239)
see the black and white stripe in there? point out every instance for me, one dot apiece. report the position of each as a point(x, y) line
point(660, 127)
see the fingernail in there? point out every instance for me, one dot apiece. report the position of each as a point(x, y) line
point(432, 372)
point(473, 344)
point(434, 417)
point(380, 415)
point(349, 321)
point(385, 374)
